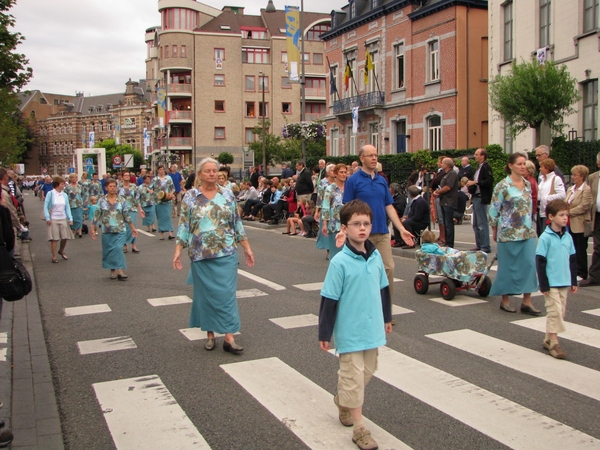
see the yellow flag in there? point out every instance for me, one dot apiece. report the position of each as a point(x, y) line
point(368, 67)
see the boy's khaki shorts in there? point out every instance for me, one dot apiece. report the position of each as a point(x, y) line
point(556, 307)
point(356, 370)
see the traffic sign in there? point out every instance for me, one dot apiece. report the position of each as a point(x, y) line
point(71, 169)
point(117, 162)
point(89, 162)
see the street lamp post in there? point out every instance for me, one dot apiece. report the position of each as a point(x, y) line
point(264, 134)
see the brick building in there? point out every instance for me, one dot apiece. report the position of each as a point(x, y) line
point(209, 67)
point(568, 33)
point(430, 85)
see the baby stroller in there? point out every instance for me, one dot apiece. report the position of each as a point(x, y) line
point(463, 271)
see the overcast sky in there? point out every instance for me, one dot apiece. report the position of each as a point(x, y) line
point(95, 46)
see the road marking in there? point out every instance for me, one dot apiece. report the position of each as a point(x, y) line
point(301, 405)
point(503, 420)
point(166, 301)
point(106, 345)
point(568, 375)
point(533, 294)
point(3, 354)
point(575, 332)
point(274, 286)
point(197, 334)
point(396, 310)
point(310, 286)
point(146, 233)
point(459, 300)
point(90, 309)
point(141, 413)
point(246, 293)
point(494, 267)
point(4, 338)
point(303, 320)
point(594, 312)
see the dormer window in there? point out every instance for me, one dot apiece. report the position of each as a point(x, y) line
point(374, 4)
point(352, 9)
point(333, 21)
point(225, 27)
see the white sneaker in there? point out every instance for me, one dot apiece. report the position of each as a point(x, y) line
point(579, 278)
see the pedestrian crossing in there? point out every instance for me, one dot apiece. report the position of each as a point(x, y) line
point(135, 408)
point(3, 345)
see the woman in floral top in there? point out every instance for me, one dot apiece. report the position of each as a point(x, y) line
point(129, 192)
point(76, 198)
point(330, 208)
point(113, 215)
point(163, 208)
point(146, 196)
point(322, 241)
point(211, 230)
point(512, 229)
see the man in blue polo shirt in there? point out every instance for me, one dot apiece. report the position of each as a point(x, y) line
point(176, 177)
point(370, 187)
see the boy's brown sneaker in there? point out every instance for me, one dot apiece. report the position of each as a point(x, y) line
point(345, 416)
point(557, 352)
point(547, 344)
point(362, 438)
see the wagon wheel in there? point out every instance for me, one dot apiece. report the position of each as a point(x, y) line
point(485, 286)
point(421, 284)
point(448, 289)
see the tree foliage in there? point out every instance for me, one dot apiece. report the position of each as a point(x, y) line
point(112, 149)
point(534, 94)
point(225, 158)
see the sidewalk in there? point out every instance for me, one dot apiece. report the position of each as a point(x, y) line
point(32, 412)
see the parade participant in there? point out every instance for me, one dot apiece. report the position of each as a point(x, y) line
point(163, 207)
point(95, 187)
point(113, 216)
point(130, 193)
point(322, 185)
point(331, 206)
point(210, 228)
point(147, 201)
point(75, 192)
point(58, 218)
point(92, 207)
point(512, 229)
point(177, 179)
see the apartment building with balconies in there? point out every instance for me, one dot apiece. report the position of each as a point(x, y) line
point(566, 32)
point(213, 68)
point(428, 85)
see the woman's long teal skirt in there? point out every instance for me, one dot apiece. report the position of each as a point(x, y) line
point(516, 268)
point(112, 251)
point(77, 214)
point(129, 239)
point(150, 215)
point(163, 214)
point(215, 307)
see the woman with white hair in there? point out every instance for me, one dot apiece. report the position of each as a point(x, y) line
point(322, 241)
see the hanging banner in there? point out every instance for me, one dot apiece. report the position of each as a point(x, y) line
point(355, 119)
point(292, 33)
point(161, 98)
point(146, 142)
point(91, 137)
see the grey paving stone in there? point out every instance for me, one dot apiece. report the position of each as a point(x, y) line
point(24, 437)
point(39, 364)
point(23, 370)
point(48, 411)
point(42, 377)
point(39, 388)
point(45, 398)
point(52, 442)
point(22, 383)
point(39, 350)
point(20, 421)
point(23, 406)
point(48, 426)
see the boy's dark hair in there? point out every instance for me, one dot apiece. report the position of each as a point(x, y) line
point(555, 206)
point(354, 207)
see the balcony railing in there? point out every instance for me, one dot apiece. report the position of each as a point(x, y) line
point(375, 98)
point(315, 92)
point(176, 142)
point(179, 115)
point(179, 88)
point(311, 117)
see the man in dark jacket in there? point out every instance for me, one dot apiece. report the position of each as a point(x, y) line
point(399, 206)
point(304, 184)
point(480, 189)
point(465, 170)
point(418, 215)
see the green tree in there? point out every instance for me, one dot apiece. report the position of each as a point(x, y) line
point(112, 149)
point(273, 145)
point(534, 94)
point(225, 158)
point(15, 139)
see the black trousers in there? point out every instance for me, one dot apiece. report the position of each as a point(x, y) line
point(580, 242)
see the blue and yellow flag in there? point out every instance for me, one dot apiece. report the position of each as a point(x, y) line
point(292, 33)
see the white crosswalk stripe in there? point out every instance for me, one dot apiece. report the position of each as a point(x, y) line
point(141, 413)
point(271, 284)
point(145, 232)
point(318, 286)
point(197, 334)
point(106, 345)
point(303, 406)
point(565, 374)
point(303, 320)
point(575, 332)
point(594, 312)
point(90, 309)
point(459, 300)
point(166, 301)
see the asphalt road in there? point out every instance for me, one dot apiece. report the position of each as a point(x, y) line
point(429, 394)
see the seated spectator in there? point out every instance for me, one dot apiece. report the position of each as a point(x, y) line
point(399, 206)
point(308, 220)
point(252, 207)
point(247, 194)
point(296, 219)
point(459, 212)
point(269, 209)
point(418, 215)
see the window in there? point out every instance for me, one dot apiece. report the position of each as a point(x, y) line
point(399, 66)
point(314, 111)
point(286, 108)
point(250, 111)
point(315, 87)
point(434, 60)
point(314, 33)
point(372, 87)
point(256, 55)
point(434, 133)
point(161, 52)
point(284, 57)
point(179, 19)
point(219, 80)
point(351, 141)
point(183, 51)
point(335, 142)
point(250, 136)
point(545, 22)
point(374, 4)
point(306, 57)
point(219, 53)
point(352, 9)
point(219, 132)
point(374, 135)
point(285, 83)
point(263, 109)
point(166, 51)
point(508, 140)
point(333, 81)
point(219, 105)
point(590, 111)
point(83, 128)
point(317, 58)
point(250, 83)
point(174, 51)
point(590, 15)
point(508, 31)
point(254, 34)
point(263, 83)
point(351, 90)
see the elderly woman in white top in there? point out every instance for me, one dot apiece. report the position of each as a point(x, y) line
point(57, 213)
point(550, 187)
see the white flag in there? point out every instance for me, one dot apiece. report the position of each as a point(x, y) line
point(542, 55)
point(355, 119)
